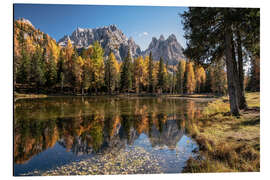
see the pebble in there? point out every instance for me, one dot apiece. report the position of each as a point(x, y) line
point(132, 161)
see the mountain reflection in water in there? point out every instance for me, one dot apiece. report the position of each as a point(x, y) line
point(95, 126)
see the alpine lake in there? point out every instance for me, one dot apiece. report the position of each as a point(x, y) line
point(103, 135)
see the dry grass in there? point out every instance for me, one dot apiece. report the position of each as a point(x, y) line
point(227, 143)
point(22, 96)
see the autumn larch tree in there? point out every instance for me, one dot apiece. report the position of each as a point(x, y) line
point(111, 73)
point(200, 77)
point(97, 66)
point(190, 82)
point(138, 71)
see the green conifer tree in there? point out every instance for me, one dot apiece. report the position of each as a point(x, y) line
point(150, 74)
point(126, 77)
point(161, 75)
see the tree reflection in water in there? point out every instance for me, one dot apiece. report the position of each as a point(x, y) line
point(98, 125)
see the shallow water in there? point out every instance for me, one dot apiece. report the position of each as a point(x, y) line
point(102, 135)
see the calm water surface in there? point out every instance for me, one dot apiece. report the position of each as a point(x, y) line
point(135, 135)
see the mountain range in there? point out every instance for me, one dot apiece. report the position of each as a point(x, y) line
point(113, 39)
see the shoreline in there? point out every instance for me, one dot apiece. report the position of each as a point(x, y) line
point(18, 96)
point(227, 143)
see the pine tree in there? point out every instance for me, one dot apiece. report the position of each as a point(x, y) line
point(51, 72)
point(216, 80)
point(78, 71)
point(111, 73)
point(150, 74)
point(167, 78)
point(219, 29)
point(161, 75)
point(86, 74)
point(126, 76)
point(212, 27)
point(181, 68)
point(60, 70)
point(38, 69)
point(254, 76)
point(23, 73)
point(209, 79)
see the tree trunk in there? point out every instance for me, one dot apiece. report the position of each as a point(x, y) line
point(62, 85)
point(236, 70)
point(231, 73)
point(241, 94)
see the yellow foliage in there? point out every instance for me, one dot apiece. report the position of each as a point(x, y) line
point(191, 82)
point(29, 45)
point(53, 49)
point(80, 61)
point(139, 70)
point(200, 77)
point(115, 62)
point(68, 50)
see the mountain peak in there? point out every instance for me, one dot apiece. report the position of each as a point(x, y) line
point(172, 37)
point(23, 20)
point(80, 29)
point(110, 37)
point(113, 27)
point(161, 38)
point(169, 49)
point(113, 39)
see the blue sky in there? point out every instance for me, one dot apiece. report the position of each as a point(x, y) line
point(139, 22)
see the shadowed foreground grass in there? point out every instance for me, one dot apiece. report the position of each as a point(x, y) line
point(227, 143)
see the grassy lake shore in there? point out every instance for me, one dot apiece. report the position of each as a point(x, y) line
point(227, 143)
point(122, 95)
point(26, 96)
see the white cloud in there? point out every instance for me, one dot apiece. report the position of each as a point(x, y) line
point(143, 34)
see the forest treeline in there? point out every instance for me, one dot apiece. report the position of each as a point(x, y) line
point(42, 66)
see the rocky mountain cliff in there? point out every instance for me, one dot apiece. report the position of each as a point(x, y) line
point(23, 20)
point(169, 49)
point(110, 38)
